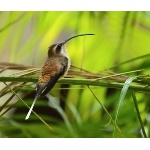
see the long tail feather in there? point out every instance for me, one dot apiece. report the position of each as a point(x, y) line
point(28, 115)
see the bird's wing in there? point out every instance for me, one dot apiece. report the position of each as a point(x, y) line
point(44, 88)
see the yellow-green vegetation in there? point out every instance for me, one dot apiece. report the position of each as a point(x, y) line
point(106, 91)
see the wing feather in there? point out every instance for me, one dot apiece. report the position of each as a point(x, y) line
point(44, 87)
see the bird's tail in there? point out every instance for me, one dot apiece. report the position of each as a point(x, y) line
point(28, 115)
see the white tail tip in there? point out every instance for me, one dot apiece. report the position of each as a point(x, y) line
point(28, 114)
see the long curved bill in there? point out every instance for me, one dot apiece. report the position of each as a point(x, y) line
point(77, 36)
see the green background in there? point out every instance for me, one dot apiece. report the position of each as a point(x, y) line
point(119, 36)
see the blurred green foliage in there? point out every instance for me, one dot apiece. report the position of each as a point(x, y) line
point(119, 36)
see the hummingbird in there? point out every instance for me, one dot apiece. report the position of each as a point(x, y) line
point(56, 65)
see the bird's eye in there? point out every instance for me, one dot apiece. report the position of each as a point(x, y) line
point(58, 48)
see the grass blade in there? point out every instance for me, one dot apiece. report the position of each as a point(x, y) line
point(29, 107)
point(130, 61)
point(123, 94)
point(54, 103)
point(138, 114)
point(111, 119)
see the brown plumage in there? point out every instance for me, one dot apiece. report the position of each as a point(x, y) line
point(56, 65)
point(52, 70)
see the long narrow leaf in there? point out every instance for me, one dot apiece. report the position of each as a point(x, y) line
point(123, 94)
point(138, 114)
